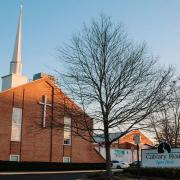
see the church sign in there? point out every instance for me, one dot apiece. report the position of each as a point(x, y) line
point(163, 156)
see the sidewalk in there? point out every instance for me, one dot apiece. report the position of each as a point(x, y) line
point(49, 172)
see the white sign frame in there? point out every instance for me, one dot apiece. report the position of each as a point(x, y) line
point(151, 158)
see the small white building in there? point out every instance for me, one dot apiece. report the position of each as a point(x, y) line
point(125, 155)
point(124, 149)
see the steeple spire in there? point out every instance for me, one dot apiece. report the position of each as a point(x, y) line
point(15, 77)
point(16, 65)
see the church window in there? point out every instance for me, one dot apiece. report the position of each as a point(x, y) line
point(16, 124)
point(14, 157)
point(66, 159)
point(67, 131)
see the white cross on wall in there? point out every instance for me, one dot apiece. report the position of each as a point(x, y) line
point(45, 104)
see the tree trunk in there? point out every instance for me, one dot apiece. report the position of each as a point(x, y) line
point(108, 161)
point(108, 155)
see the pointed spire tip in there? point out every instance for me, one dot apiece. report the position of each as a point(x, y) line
point(21, 7)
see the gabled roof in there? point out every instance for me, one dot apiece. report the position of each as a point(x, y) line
point(100, 138)
point(28, 84)
point(46, 79)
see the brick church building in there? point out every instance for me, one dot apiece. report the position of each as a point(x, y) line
point(27, 113)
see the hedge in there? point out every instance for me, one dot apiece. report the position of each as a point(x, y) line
point(154, 172)
point(48, 166)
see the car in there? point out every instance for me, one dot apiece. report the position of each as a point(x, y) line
point(135, 164)
point(119, 164)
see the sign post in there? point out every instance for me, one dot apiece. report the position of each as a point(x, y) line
point(137, 140)
point(132, 151)
point(138, 155)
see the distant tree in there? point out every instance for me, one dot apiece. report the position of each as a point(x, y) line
point(165, 124)
point(116, 82)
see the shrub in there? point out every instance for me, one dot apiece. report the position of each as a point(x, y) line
point(48, 166)
point(154, 172)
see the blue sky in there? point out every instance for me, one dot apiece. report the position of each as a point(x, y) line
point(48, 24)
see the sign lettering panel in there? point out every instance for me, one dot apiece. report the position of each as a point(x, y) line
point(152, 158)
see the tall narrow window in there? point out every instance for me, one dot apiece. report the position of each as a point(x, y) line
point(16, 124)
point(67, 131)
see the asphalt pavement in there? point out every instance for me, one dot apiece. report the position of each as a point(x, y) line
point(68, 176)
point(57, 175)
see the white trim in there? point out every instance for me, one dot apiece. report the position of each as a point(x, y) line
point(67, 144)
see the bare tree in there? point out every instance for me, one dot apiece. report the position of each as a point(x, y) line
point(116, 82)
point(165, 124)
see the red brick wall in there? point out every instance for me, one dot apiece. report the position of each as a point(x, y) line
point(6, 103)
point(38, 144)
point(15, 147)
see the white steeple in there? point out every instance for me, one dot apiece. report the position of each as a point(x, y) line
point(16, 65)
point(15, 77)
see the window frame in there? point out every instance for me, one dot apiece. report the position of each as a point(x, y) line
point(68, 157)
point(67, 129)
point(68, 144)
point(14, 155)
point(16, 124)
